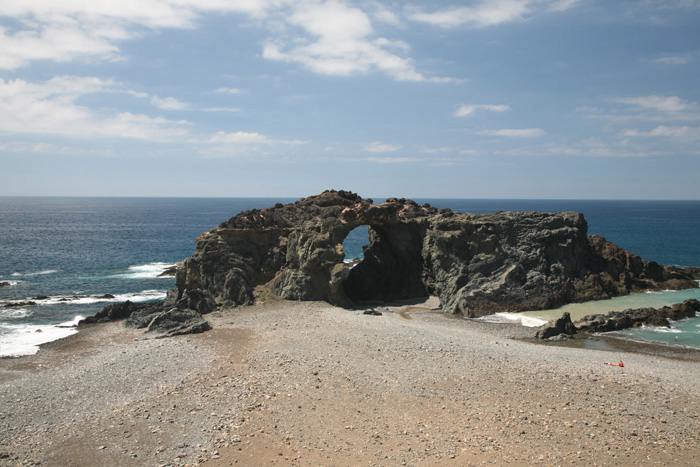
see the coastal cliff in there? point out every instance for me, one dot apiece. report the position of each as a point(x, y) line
point(475, 264)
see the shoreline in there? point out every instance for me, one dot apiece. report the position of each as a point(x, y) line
point(305, 383)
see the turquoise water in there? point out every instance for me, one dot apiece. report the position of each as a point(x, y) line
point(74, 251)
point(685, 332)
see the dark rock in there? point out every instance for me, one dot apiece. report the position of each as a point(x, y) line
point(688, 309)
point(618, 320)
point(5, 284)
point(174, 316)
point(557, 327)
point(120, 311)
point(175, 322)
point(475, 264)
point(169, 271)
point(372, 312)
point(19, 304)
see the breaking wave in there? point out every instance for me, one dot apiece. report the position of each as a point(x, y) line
point(32, 274)
point(24, 339)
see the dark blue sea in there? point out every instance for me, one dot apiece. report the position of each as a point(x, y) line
point(62, 259)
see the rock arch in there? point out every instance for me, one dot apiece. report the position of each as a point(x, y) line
point(392, 267)
point(475, 264)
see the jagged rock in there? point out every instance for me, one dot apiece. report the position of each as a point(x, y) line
point(177, 314)
point(5, 284)
point(170, 271)
point(120, 311)
point(475, 264)
point(175, 322)
point(557, 327)
point(618, 320)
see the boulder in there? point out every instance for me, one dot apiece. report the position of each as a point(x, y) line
point(557, 327)
point(109, 313)
point(175, 322)
point(175, 315)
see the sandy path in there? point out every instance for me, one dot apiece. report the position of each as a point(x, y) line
point(309, 384)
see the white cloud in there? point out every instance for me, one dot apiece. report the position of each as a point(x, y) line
point(168, 103)
point(61, 43)
point(464, 109)
point(248, 138)
point(231, 91)
point(239, 137)
point(651, 107)
point(221, 109)
point(671, 104)
point(378, 146)
point(515, 133)
point(383, 14)
point(664, 131)
point(51, 108)
point(673, 60)
point(342, 44)
point(487, 12)
point(141, 95)
point(562, 5)
point(69, 30)
point(389, 160)
point(337, 38)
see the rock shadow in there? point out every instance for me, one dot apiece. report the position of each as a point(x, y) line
point(391, 269)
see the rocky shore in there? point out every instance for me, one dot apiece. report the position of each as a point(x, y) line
point(475, 264)
point(306, 383)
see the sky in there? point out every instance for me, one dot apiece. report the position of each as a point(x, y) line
point(555, 99)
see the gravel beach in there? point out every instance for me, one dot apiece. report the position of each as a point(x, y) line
point(305, 383)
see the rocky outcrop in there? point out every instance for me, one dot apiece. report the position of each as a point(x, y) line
point(475, 264)
point(5, 284)
point(170, 271)
point(619, 320)
point(177, 314)
point(557, 327)
point(119, 311)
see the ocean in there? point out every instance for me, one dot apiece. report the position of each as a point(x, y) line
point(62, 259)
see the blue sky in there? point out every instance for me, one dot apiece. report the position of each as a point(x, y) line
point(474, 99)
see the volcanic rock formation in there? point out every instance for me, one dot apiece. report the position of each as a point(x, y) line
point(475, 264)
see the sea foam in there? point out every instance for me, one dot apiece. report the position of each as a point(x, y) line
point(518, 318)
point(32, 274)
point(25, 339)
point(14, 313)
point(144, 271)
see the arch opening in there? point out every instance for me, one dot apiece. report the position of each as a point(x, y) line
point(355, 243)
point(391, 268)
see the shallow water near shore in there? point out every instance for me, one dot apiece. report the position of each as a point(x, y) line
point(65, 258)
point(684, 333)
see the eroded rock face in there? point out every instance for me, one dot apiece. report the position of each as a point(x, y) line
point(475, 264)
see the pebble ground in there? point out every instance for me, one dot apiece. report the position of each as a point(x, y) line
point(308, 384)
